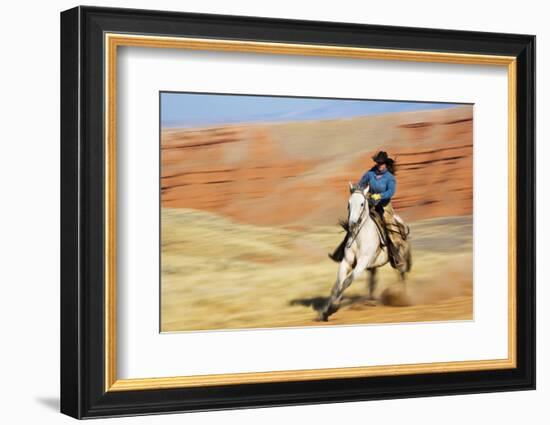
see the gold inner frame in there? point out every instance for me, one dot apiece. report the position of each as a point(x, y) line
point(113, 41)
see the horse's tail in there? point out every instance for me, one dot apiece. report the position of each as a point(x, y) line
point(408, 259)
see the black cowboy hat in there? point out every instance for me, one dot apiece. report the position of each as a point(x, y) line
point(382, 158)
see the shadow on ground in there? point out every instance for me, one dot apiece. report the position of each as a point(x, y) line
point(317, 303)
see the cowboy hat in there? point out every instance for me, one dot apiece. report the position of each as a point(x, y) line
point(382, 158)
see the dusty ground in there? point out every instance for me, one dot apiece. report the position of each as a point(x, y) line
point(222, 274)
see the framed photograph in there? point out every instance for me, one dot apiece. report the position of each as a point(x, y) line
point(261, 212)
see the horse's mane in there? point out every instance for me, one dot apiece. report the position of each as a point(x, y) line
point(343, 222)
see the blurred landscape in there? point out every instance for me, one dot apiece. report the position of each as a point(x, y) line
point(250, 211)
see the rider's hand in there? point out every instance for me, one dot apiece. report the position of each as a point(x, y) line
point(376, 196)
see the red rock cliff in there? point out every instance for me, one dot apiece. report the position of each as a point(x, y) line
point(297, 172)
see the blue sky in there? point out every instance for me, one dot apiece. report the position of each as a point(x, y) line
point(196, 110)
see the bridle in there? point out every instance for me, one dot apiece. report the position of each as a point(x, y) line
point(360, 221)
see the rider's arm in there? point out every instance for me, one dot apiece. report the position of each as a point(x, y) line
point(390, 190)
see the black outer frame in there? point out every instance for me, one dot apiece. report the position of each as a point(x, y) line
point(82, 218)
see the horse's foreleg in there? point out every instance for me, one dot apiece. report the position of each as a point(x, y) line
point(337, 290)
point(336, 293)
point(343, 281)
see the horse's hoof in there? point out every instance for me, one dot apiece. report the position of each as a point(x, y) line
point(327, 312)
point(323, 317)
point(371, 302)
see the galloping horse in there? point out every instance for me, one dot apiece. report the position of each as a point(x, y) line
point(364, 251)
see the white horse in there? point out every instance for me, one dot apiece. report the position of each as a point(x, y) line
point(364, 251)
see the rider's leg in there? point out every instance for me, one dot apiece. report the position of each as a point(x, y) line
point(394, 236)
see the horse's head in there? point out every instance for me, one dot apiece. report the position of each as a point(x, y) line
point(357, 205)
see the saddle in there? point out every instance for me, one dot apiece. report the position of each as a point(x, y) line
point(402, 228)
point(380, 226)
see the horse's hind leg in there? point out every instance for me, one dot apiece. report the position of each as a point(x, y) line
point(372, 282)
point(408, 264)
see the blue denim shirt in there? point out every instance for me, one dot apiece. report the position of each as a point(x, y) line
point(382, 182)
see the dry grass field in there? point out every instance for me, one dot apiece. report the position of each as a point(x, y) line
point(218, 273)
